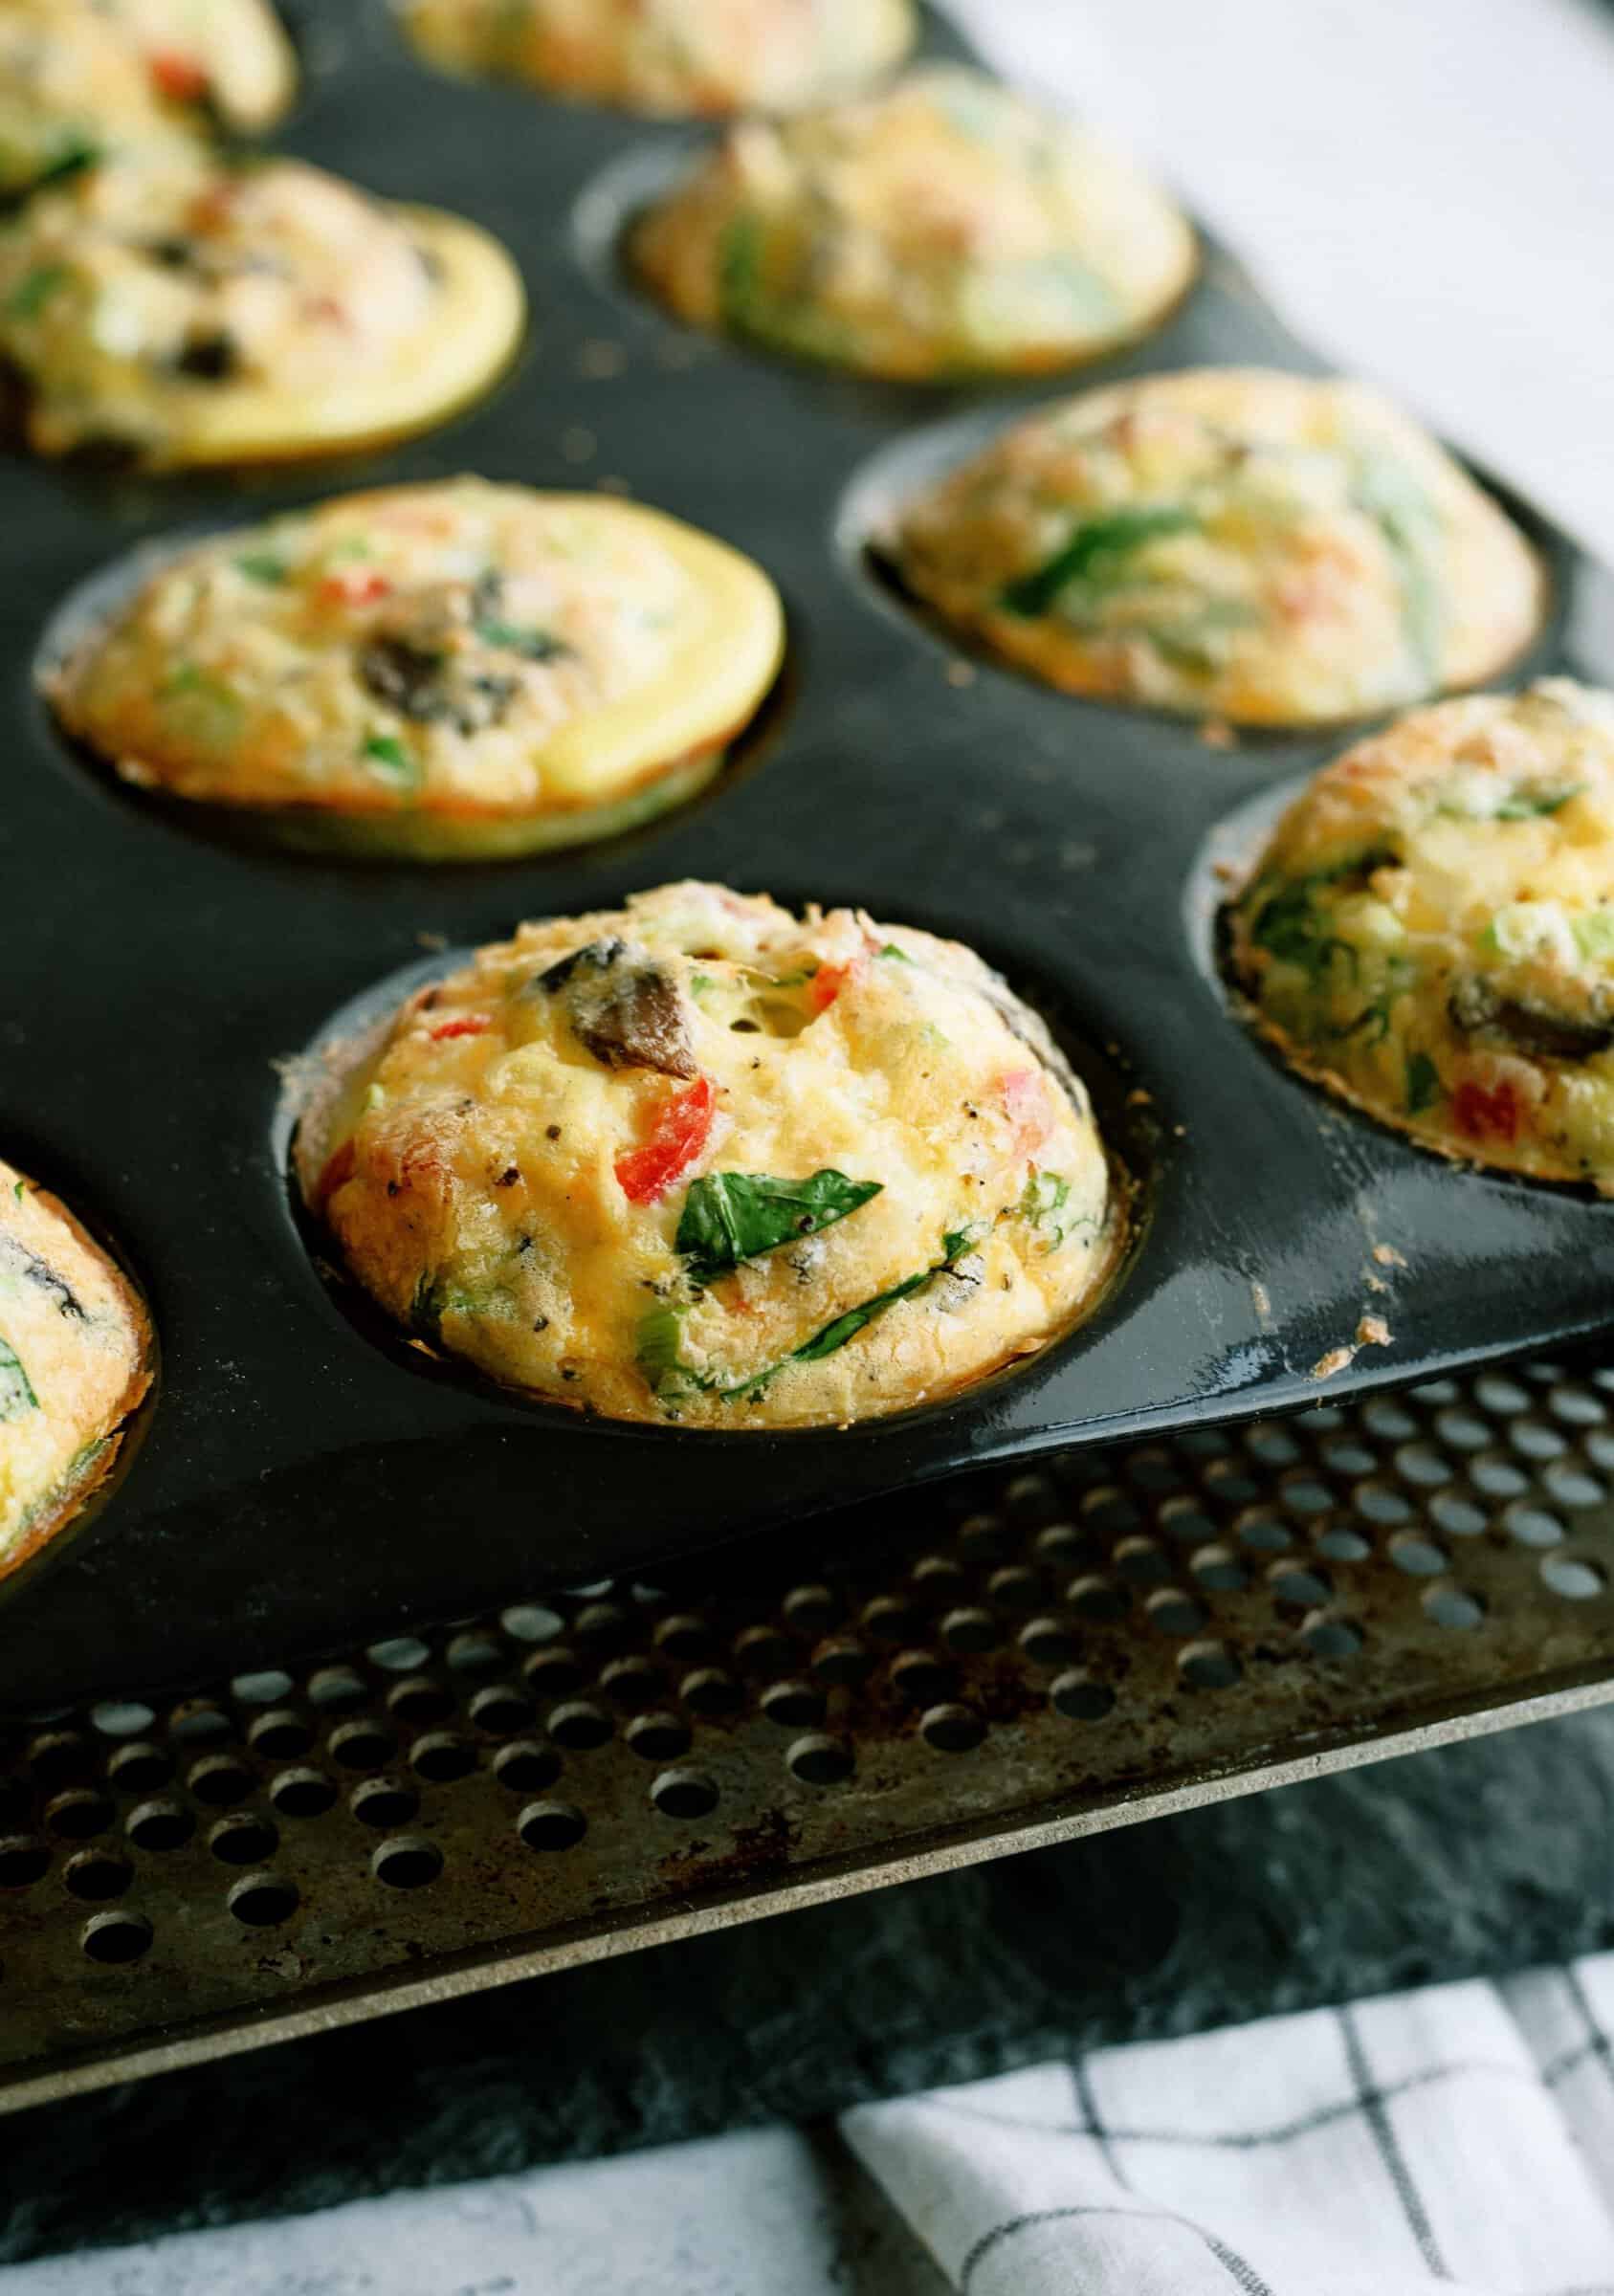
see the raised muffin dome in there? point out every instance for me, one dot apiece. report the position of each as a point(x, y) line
point(700, 1162)
point(1229, 543)
point(458, 667)
point(189, 310)
point(1429, 931)
point(75, 1353)
point(942, 227)
point(669, 57)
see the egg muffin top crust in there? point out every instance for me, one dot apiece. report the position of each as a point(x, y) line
point(673, 58)
point(1229, 543)
point(81, 77)
point(528, 668)
point(701, 1163)
point(1429, 931)
point(943, 227)
point(75, 1355)
point(191, 310)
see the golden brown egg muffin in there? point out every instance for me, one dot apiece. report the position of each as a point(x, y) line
point(943, 227)
point(701, 1161)
point(197, 312)
point(457, 668)
point(674, 57)
point(83, 77)
point(1431, 930)
point(1229, 543)
point(76, 1358)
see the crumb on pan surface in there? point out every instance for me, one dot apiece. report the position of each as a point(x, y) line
point(458, 652)
point(702, 1163)
point(675, 57)
point(1430, 932)
point(1233, 543)
point(187, 309)
point(944, 226)
point(80, 77)
point(75, 1351)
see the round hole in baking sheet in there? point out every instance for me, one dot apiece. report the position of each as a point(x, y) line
point(301, 1793)
point(243, 1840)
point(551, 1825)
point(262, 1900)
point(407, 1861)
point(658, 1737)
point(160, 1825)
point(526, 1767)
point(23, 1861)
point(683, 1794)
point(96, 1875)
point(818, 1760)
point(116, 1938)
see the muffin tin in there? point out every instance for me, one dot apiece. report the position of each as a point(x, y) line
point(307, 1477)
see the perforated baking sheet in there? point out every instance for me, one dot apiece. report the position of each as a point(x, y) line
point(1109, 1636)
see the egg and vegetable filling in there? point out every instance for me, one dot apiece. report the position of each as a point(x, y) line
point(74, 1360)
point(512, 668)
point(1234, 543)
point(701, 1163)
point(83, 77)
point(943, 227)
point(669, 57)
point(1431, 930)
point(191, 310)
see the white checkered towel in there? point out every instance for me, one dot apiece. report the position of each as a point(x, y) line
point(1461, 2138)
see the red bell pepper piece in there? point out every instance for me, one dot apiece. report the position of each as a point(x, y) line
point(679, 1129)
point(179, 77)
point(828, 983)
point(1479, 1111)
point(1026, 1104)
point(469, 1023)
point(358, 585)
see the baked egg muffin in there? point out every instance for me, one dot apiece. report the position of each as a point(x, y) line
point(76, 1358)
point(193, 310)
point(943, 227)
point(1228, 542)
point(81, 77)
point(671, 58)
point(699, 1161)
point(458, 668)
point(1431, 930)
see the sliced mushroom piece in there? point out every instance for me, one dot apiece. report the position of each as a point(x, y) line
point(1476, 1008)
point(625, 1006)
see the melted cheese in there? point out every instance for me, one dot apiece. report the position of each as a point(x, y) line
point(1238, 543)
point(945, 227)
point(478, 1167)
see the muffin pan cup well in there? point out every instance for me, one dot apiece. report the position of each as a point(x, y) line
point(307, 1478)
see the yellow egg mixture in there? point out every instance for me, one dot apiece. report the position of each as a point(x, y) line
point(81, 77)
point(74, 1360)
point(524, 667)
point(1431, 930)
point(942, 227)
point(1234, 543)
point(191, 310)
point(671, 56)
point(700, 1162)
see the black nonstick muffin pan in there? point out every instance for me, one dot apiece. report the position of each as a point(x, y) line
point(306, 1477)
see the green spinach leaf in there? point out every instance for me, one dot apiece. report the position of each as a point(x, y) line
point(734, 1216)
point(16, 1391)
point(1094, 552)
